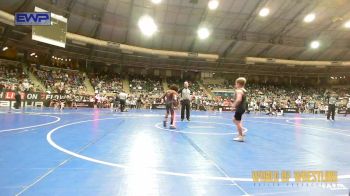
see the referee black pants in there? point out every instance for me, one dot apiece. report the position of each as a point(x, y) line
point(122, 105)
point(185, 105)
point(331, 111)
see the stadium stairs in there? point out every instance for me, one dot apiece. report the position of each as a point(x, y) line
point(206, 90)
point(165, 84)
point(34, 79)
point(88, 85)
point(126, 85)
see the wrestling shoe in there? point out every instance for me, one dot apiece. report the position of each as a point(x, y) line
point(172, 127)
point(164, 123)
point(238, 139)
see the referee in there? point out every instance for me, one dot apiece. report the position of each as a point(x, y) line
point(17, 104)
point(331, 98)
point(122, 98)
point(185, 94)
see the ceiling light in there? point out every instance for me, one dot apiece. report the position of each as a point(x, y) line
point(203, 33)
point(309, 18)
point(70, 59)
point(156, 1)
point(36, 56)
point(213, 4)
point(347, 24)
point(32, 54)
point(315, 44)
point(147, 25)
point(264, 12)
point(5, 48)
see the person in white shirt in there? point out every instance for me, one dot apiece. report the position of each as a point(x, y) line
point(185, 101)
point(97, 100)
point(332, 100)
point(347, 107)
point(122, 96)
point(298, 104)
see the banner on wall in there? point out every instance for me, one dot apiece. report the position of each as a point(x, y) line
point(7, 99)
point(10, 95)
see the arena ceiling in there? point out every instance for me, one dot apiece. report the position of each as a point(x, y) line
point(237, 30)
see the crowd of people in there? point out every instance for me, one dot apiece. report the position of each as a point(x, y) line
point(267, 99)
point(226, 85)
point(304, 99)
point(146, 91)
point(146, 85)
point(14, 78)
point(61, 81)
point(196, 89)
point(106, 83)
point(271, 99)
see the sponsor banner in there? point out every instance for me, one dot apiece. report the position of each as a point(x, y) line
point(33, 18)
point(55, 96)
point(10, 95)
point(12, 103)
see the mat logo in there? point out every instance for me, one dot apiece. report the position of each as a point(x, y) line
point(299, 176)
point(33, 18)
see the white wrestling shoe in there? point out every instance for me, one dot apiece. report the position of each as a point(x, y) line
point(172, 127)
point(243, 133)
point(238, 139)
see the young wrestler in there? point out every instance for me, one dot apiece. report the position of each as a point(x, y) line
point(62, 104)
point(171, 102)
point(239, 107)
point(347, 110)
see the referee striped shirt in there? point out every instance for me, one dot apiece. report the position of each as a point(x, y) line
point(186, 94)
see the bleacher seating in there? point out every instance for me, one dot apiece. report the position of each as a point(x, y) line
point(57, 80)
point(143, 85)
point(13, 77)
point(104, 83)
point(195, 88)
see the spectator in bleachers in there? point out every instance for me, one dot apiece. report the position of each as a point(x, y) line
point(59, 80)
point(13, 77)
point(106, 83)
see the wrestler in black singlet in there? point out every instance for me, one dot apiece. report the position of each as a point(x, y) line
point(241, 107)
